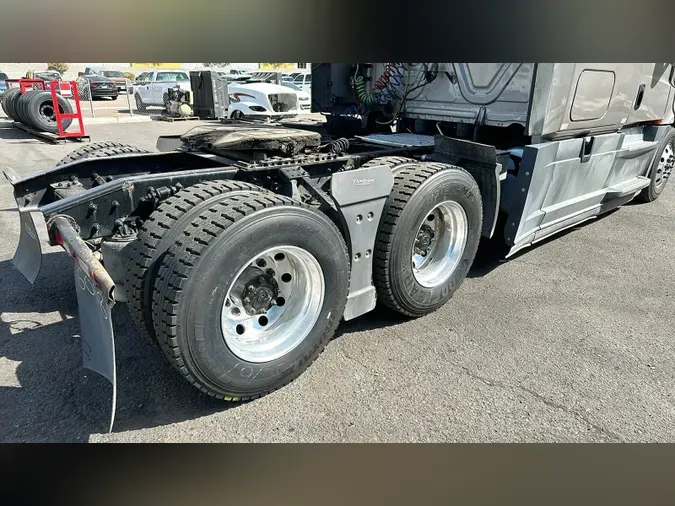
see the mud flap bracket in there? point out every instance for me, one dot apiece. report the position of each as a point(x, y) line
point(361, 195)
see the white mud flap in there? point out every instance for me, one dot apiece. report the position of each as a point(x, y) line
point(96, 331)
point(95, 299)
point(28, 256)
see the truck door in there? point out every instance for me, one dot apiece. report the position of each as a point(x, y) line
point(144, 87)
point(160, 86)
point(650, 93)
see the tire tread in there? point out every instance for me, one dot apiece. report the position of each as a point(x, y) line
point(145, 251)
point(182, 258)
point(100, 150)
point(406, 183)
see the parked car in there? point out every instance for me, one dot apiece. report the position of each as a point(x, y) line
point(3, 84)
point(304, 98)
point(304, 82)
point(117, 77)
point(48, 76)
point(152, 90)
point(92, 86)
point(261, 101)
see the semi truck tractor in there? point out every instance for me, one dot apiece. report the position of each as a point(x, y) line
point(239, 247)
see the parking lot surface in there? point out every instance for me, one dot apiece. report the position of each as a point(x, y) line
point(570, 341)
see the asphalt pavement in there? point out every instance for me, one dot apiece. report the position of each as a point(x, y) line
point(570, 341)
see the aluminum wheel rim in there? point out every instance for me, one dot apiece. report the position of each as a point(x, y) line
point(446, 229)
point(292, 314)
point(665, 166)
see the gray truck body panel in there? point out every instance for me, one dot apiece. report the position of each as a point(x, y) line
point(549, 99)
point(556, 187)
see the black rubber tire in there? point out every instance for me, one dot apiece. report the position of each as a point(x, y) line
point(651, 193)
point(115, 97)
point(417, 189)
point(139, 103)
point(198, 269)
point(8, 102)
point(158, 234)
point(237, 115)
point(39, 100)
point(100, 150)
point(20, 106)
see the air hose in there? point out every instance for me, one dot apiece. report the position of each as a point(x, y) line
point(384, 89)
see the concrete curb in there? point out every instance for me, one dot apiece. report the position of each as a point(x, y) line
point(116, 119)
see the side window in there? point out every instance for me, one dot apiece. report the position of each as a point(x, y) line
point(308, 79)
point(161, 77)
point(149, 77)
point(298, 79)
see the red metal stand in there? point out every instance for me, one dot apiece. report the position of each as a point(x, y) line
point(27, 84)
point(66, 89)
point(31, 84)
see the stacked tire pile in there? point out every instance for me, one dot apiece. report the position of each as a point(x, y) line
point(36, 109)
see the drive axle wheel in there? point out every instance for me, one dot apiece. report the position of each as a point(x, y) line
point(250, 294)
point(428, 237)
point(158, 234)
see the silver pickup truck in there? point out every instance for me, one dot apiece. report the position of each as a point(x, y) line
point(152, 88)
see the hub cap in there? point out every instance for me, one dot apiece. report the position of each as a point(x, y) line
point(273, 304)
point(46, 110)
point(439, 244)
point(665, 166)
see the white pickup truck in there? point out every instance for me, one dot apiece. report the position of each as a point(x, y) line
point(153, 87)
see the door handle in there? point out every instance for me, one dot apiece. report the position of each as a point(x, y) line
point(586, 149)
point(640, 96)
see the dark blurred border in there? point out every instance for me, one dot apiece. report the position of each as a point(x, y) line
point(291, 475)
point(336, 30)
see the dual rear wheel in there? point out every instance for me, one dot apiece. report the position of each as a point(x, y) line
point(243, 289)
